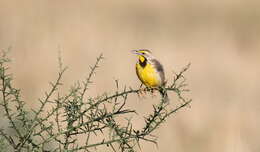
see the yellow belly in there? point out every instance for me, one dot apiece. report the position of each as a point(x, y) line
point(148, 75)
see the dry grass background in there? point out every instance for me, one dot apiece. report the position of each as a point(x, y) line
point(220, 39)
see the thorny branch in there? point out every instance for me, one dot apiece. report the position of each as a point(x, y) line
point(73, 118)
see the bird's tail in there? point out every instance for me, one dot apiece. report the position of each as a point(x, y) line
point(164, 94)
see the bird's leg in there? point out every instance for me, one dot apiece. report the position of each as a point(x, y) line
point(141, 91)
point(150, 90)
point(153, 92)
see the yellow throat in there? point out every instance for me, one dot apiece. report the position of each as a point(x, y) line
point(147, 73)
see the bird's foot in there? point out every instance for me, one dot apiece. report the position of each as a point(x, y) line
point(143, 91)
point(153, 93)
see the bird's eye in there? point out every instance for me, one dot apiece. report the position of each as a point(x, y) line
point(143, 53)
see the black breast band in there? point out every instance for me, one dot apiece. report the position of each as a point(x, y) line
point(143, 64)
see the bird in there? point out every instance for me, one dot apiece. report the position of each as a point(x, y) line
point(150, 71)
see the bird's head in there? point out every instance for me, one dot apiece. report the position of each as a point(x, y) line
point(143, 54)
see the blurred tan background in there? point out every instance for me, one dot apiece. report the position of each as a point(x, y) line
point(220, 39)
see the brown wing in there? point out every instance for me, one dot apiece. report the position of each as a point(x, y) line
point(160, 69)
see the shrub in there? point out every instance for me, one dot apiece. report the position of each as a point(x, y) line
point(74, 120)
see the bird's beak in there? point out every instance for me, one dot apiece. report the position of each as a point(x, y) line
point(135, 52)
